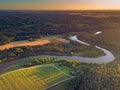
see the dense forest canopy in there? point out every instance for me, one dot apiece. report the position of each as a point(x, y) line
point(25, 25)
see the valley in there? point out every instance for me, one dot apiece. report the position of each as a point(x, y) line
point(55, 50)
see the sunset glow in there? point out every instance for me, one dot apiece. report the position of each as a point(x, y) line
point(59, 4)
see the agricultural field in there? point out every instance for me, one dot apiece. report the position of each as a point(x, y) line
point(34, 78)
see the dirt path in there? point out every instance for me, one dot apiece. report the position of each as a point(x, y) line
point(42, 41)
point(58, 83)
point(24, 43)
point(62, 71)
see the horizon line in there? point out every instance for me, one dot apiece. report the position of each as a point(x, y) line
point(60, 10)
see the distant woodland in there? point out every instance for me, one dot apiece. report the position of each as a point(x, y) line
point(16, 26)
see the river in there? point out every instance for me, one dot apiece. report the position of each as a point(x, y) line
point(108, 57)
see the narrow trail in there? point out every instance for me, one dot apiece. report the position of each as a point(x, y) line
point(58, 83)
point(62, 71)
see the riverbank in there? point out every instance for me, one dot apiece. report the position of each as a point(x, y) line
point(108, 57)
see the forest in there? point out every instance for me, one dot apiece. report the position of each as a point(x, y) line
point(16, 26)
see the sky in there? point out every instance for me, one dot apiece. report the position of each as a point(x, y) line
point(59, 4)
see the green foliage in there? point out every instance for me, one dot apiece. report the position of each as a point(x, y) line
point(97, 77)
point(5, 39)
point(0, 61)
point(39, 61)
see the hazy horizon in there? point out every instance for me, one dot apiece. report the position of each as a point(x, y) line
point(59, 5)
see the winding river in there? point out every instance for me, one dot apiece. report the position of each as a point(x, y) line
point(108, 57)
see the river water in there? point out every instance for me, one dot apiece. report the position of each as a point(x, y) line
point(108, 57)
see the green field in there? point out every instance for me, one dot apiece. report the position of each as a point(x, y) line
point(34, 78)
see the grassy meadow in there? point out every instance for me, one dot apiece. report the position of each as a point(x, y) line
point(33, 78)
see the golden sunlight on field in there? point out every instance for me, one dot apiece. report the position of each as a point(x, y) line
point(24, 43)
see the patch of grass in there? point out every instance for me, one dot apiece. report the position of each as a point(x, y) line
point(42, 71)
point(15, 67)
point(64, 68)
point(90, 53)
